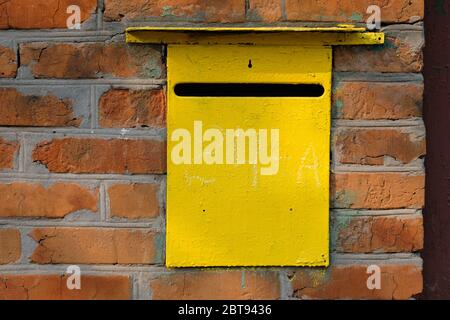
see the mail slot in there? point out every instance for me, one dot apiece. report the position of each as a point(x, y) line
point(248, 155)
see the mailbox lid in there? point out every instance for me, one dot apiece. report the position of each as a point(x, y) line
point(232, 214)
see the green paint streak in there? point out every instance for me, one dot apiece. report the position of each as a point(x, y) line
point(345, 198)
point(338, 223)
point(388, 44)
point(337, 109)
point(166, 11)
point(338, 105)
point(356, 17)
point(152, 68)
point(336, 80)
point(160, 244)
point(243, 281)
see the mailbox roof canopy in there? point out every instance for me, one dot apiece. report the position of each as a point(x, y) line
point(334, 35)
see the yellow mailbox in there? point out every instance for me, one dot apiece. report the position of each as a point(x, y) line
point(248, 131)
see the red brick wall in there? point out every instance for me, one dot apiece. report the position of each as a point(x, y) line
point(82, 153)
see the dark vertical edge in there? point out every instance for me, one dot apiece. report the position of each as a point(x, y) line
point(436, 253)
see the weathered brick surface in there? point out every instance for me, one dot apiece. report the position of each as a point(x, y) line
point(377, 100)
point(399, 282)
point(92, 155)
point(199, 10)
point(264, 10)
point(211, 285)
point(134, 201)
point(269, 11)
point(91, 60)
point(373, 146)
point(8, 151)
point(126, 108)
point(376, 234)
point(392, 11)
point(93, 246)
point(377, 190)
point(83, 117)
point(41, 14)
point(402, 52)
point(19, 109)
point(54, 287)
point(10, 245)
point(23, 199)
point(8, 62)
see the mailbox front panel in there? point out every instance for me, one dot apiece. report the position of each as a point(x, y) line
point(248, 155)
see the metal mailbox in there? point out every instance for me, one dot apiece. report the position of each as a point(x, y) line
point(248, 132)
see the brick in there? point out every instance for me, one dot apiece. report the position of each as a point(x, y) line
point(22, 199)
point(41, 14)
point(54, 287)
point(91, 60)
point(92, 155)
point(8, 62)
point(134, 201)
point(377, 190)
point(127, 108)
point(373, 146)
point(93, 246)
point(378, 234)
point(8, 151)
point(198, 10)
point(392, 11)
point(402, 52)
point(10, 246)
point(220, 285)
point(18, 109)
point(398, 282)
point(263, 10)
point(377, 100)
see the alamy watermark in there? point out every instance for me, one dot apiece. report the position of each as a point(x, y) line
point(374, 20)
point(74, 20)
point(227, 147)
point(374, 280)
point(73, 281)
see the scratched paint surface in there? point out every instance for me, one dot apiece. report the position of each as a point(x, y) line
point(231, 214)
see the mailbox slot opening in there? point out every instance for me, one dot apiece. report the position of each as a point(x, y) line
point(248, 90)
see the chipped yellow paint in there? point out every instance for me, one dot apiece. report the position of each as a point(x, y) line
point(338, 35)
point(232, 214)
